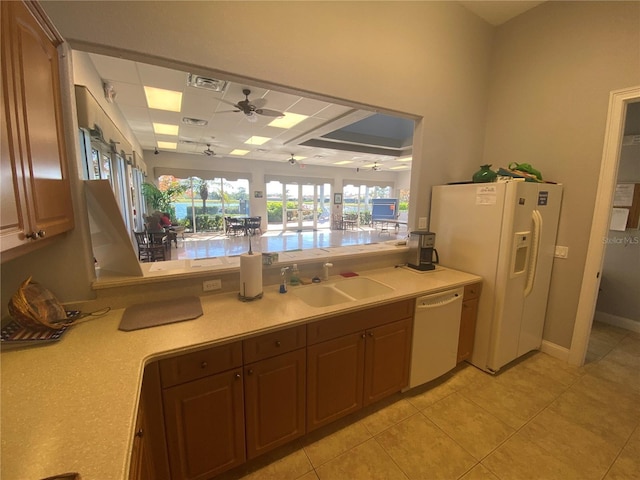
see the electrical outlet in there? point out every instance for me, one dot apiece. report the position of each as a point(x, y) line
point(561, 252)
point(210, 285)
point(422, 222)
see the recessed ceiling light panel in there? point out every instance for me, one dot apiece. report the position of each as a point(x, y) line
point(257, 140)
point(165, 129)
point(288, 120)
point(168, 145)
point(238, 151)
point(162, 99)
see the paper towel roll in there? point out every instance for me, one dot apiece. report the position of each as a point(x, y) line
point(250, 275)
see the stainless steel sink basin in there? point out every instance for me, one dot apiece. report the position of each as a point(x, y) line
point(320, 295)
point(350, 290)
point(362, 287)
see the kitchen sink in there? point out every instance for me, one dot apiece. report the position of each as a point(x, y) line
point(362, 287)
point(320, 295)
point(356, 288)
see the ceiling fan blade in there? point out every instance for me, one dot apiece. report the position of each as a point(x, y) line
point(228, 102)
point(269, 113)
point(259, 102)
point(229, 111)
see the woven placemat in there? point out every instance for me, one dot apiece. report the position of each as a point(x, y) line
point(146, 315)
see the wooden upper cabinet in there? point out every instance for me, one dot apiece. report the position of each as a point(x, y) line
point(36, 194)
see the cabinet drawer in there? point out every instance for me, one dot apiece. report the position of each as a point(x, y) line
point(347, 323)
point(274, 343)
point(202, 363)
point(472, 291)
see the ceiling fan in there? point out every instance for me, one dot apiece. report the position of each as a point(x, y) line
point(293, 161)
point(208, 152)
point(250, 109)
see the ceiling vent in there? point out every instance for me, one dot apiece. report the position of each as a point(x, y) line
point(212, 84)
point(631, 140)
point(194, 121)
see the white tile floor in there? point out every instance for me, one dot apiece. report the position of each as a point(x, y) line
point(538, 419)
point(204, 245)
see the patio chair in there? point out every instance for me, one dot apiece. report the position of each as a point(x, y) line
point(148, 251)
point(253, 225)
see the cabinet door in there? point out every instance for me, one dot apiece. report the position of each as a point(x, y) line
point(141, 467)
point(39, 151)
point(388, 357)
point(13, 213)
point(205, 426)
point(274, 401)
point(335, 372)
point(467, 329)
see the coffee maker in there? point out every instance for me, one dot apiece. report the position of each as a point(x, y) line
point(422, 251)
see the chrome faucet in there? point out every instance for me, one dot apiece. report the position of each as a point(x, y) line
point(325, 271)
point(283, 282)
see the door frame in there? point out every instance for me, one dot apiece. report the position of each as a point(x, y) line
point(618, 101)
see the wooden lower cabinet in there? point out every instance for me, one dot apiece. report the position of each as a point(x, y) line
point(335, 379)
point(387, 360)
point(204, 421)
point(354, 370)
point(274, 401)
point(141, 467)
point(468, 318)
point(209, 410)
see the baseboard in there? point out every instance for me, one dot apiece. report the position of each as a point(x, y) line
point(617, 321)
point(555, 350)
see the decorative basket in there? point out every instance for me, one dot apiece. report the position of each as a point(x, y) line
point(35, 307)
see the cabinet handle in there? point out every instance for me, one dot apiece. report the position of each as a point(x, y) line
point(278, 343)
point(364, 335)
point(237, 376)
point(204, 365)
point(371, 334)
point(41, 233)
point(32, 235)
point(139, 433)
point(250, 371)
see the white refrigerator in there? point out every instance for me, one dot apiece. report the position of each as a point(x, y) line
point(506, 233)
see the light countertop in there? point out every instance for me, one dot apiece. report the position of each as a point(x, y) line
point(71, 405)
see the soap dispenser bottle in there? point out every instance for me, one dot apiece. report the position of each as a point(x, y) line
point(295, 275)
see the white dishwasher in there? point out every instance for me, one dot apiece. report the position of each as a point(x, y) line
point(435, 335)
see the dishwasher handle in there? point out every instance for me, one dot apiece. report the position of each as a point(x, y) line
point(438, 300)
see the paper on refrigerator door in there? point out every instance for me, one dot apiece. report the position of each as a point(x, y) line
point(486, 195)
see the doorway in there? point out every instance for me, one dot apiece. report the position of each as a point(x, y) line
point(298, 206)
point(618, 103)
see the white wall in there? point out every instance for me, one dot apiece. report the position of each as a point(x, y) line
point(552, 71)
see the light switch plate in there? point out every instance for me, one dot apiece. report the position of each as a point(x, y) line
point(561, 252)
point(422, 222)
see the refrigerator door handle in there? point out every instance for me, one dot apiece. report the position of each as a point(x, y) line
point(535, 247)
